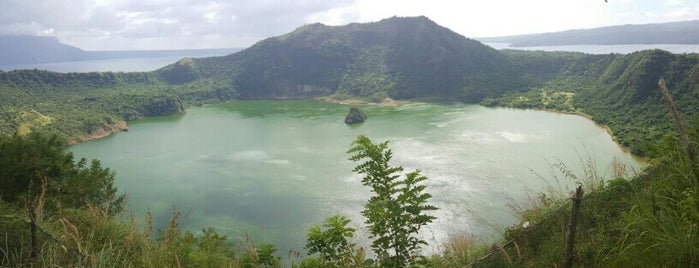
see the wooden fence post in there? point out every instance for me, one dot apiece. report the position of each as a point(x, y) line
point(575, 212)
point(32, 229)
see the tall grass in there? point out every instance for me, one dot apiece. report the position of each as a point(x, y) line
point(91, 238)
point(662, 227)
point(460, 251)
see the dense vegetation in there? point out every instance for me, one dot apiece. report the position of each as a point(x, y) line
point(404, 58)
point(400, 58)
point(77, 106)
point(618, 91)
point(397, 57)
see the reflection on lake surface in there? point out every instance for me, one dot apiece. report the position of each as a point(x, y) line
point(272, 169)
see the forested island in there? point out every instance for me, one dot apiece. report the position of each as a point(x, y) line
point(397, 58)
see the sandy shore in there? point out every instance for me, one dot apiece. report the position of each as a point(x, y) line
point(101, 132)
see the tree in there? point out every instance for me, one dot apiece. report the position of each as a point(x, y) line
point(396, 211)
point(37, 166)
point(332, 244)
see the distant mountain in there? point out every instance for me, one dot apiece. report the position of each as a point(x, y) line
point(204, 52)
point(25, 49)
point(397, 57)
point(686, 32)
point(36, 49)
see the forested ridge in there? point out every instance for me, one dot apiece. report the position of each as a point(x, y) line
point(399, 58)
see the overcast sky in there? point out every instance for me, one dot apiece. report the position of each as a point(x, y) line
point(179, 24)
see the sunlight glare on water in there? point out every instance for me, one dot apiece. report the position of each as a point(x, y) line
point(272, 169)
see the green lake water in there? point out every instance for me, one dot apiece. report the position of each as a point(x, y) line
point(271, 169)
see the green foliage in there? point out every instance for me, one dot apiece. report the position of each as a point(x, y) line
point(181, 72)
point(396, 211)
point(397, 57)
point(368, 75)
point(92, 238)
point(261, 257)
point(400, 57)
point(75, 105)
point(664, 218)
point(618, 91)
point(649, 221)
point(38, 166)
point(460, 251)
point(331, 243)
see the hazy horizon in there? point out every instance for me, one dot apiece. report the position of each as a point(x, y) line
point(168, 25)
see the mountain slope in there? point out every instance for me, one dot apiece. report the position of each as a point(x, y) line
point(404, 58)
point(685, 32)
point(398, 57)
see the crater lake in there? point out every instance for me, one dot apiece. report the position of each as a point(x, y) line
point(269, 170)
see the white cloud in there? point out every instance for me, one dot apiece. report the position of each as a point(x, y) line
point(478, 18)
point(29, 28)
point(168, 24)
point(674, 2)
point(686, 13)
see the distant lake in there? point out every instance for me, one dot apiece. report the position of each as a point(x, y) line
point(145, 64)
point(107, 65)
point(272, 169)
point(122, 61)
point(604, 49)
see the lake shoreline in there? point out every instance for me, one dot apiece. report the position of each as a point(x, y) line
point(588, 117)
point(122, 126)
point(101, 132)
point(232, 163)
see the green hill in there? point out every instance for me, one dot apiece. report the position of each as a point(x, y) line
point(406, 58)
point(399, 57)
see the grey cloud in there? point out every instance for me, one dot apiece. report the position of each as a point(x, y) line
point(183, 23)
